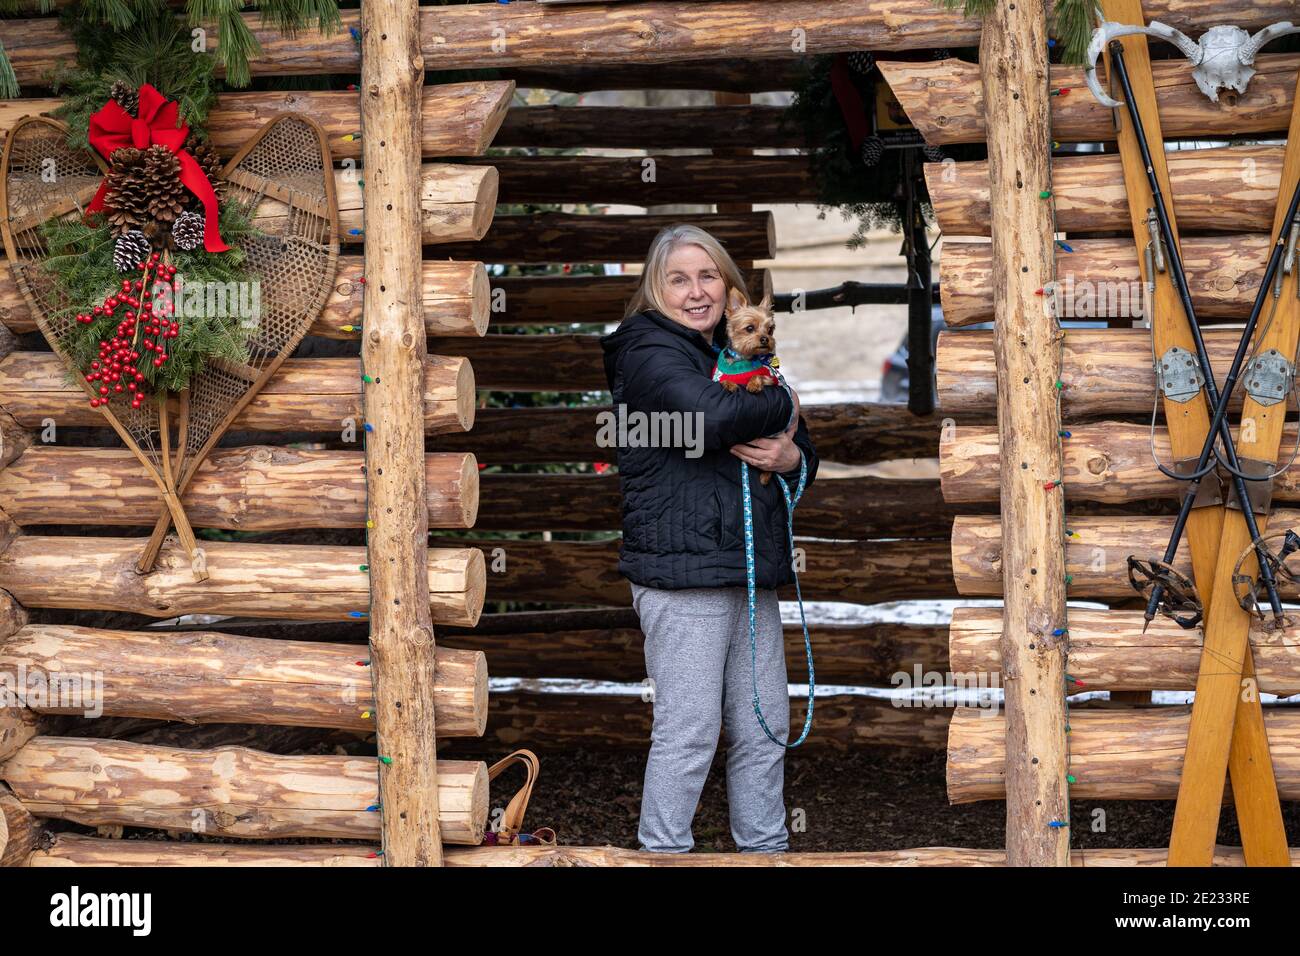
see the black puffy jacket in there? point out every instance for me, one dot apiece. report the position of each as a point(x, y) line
point(682, 515)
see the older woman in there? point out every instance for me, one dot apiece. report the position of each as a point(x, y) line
point(683, 545)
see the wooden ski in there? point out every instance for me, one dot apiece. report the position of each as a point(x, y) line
point(1227, 725)
point(1187, 421)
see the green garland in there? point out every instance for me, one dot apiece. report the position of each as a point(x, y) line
point(154, 50)
point(81, 260)
point(1070, 22)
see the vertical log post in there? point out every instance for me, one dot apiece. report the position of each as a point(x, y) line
point(393, 353)
point(1013, 69)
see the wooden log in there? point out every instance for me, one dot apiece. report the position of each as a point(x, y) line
point(568, 856)
point(563, 572)
point(615, 722)
point(1107, 461)
point(304, 394)
point(254, 488)
point(851, 433)
point(652, 180)
point(733, 74)
point(19, 830)
point(547, 300)
point(460, 38)
point(209, 677)
point(458, 119)
point(302, 582)
point(1013, 60)
point(72, 849)
point(1104, 371)
point(455, 203)
point(1115, 754)
point(1230, 189)
point(230, 791)
point(1108, 651)
point(943, 99)
point(1100, 278)
point(571, 237)
point(1096, 557)
point(868, 507)
point(564, 644)
point(623, 127)
point(403, 653)
point(455, 300)
point(18, 723)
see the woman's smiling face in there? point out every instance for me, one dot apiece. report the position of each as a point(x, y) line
point(695, 292)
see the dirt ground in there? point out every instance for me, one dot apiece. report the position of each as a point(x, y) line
point(865, 799)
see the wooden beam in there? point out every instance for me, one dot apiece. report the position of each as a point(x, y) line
point(1096, 557)
point(538, 34)
point(572, 237)
point(295, 582)
point(1100, 278)
point(568, 856)
point(455, 299)
point(18, 723)
point(1109, 651)
point(565, 644)
point(72, 849)
point(624, 127)
point(19, 830)
point(871, 507)
point(943, 99)
point(741, 74)
point(459, 119)
point(586, 572)
point(1107, 461)
point(1013, 60)
point(1115, 754)
point(321, 395)
point(546, 300)
point(851, 433)
point(254, 488)
point(1212, 192)
point(393, 354)
point(226, 791)
point(204, 677)
point(622, 721)
point(631, 180)
point(1104, 371)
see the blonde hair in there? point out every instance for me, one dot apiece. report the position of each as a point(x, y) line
point(654, 275)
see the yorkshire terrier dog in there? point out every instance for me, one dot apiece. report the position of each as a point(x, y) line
point(749, 359)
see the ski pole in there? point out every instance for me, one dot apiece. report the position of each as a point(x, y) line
point(1219, 425)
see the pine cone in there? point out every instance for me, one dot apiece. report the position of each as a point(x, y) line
point(130, 250)
point(187, 231)
point(125, 97)
point(167, 195)
point(127, 196)
point(205, 154)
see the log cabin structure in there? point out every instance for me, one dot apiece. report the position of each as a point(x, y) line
point(212, 707)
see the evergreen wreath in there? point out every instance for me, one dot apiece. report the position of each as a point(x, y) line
point(118, 266)
point(81, 260)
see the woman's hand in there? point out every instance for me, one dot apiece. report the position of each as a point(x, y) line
point(778, 454)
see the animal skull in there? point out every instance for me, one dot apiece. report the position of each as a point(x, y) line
point(1222, 59)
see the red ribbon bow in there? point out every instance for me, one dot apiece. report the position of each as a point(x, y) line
point(158, 124)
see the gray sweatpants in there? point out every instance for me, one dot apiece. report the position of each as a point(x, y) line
point(697, 655)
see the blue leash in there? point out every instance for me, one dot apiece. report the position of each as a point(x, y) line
point(749, 581)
